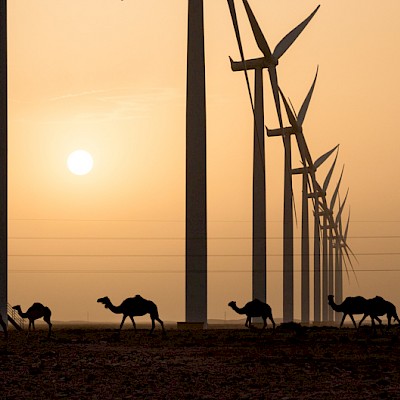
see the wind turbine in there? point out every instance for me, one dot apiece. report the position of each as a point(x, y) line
point(327, 222)
point(316, 192)
point(196, 196)
point(296, 128)
point(288, 280)
point(3, 161)
point(270, 61)
point(340, 244)
point(196, 178)
point(331, 237)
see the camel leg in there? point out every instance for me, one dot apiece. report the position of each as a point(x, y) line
point(380, 324)
point(273, 323)
point(374, 325)
point(122, 322)
point(354, 322)
point(248, 322)
point(161, 323)
point(47, 319)
point(265, 324)
point(153, 325)
point(133, 323)
point(362, 319)
point(341, 323)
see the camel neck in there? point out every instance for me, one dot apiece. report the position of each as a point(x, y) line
point(21, 314)
point(115, 309)
point(335, 307)
point(238, 310)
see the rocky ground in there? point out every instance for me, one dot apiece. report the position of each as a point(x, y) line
point(92, 363)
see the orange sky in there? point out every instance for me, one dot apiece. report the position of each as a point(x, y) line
point(109, 76)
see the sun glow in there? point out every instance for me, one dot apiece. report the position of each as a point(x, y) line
point(80, 162)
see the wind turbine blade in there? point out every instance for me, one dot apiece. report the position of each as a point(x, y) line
point(232, 10)
point(259, 36)
point(335, 193)
point(323, 158)
point(347, 250)
point(275, 89)
point(294, 208)
point(289, 112)
point(292, 107)
point(328, 177)
point(341, 207)
point(287, 41)
point(306, 103)
point(347, 228)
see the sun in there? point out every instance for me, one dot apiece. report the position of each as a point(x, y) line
point(80, 162)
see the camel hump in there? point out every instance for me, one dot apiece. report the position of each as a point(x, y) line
point(258, 302)
point(140, 300)
point(36, 307)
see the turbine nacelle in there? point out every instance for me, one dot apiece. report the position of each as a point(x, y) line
point(254, 63)
point(290, 130)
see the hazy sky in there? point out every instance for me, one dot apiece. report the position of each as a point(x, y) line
point(109, 76)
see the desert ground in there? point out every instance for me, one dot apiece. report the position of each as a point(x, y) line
point(94, 362)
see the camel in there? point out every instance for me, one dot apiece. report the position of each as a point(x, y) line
point(133, 307)
point(4, 326)
point(377, 307)
point(254, 308)
point(35, 311)
point(351, 306)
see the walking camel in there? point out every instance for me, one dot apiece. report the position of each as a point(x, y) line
point(134, 307)
point(377, 307)
point(351, 306)
point(254, 308)
point(35, 311)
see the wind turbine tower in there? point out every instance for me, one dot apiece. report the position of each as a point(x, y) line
point(196, 195)
point(3, 160)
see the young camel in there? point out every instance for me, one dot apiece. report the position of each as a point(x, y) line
point(35, 311)
point(351, 306)
point(133, 307)
point(254, 308)
point(377, 307)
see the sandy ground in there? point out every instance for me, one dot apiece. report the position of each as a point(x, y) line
point(94, 363)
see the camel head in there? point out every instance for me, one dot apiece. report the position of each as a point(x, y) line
point(17, 307)
point(330, 298)
point(232, 304)
point(104, 300)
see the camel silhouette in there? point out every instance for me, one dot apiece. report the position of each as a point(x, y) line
point(377, 307)
point(133, 307)
point(4, 326)
point(254, 308)
point(351, 306)
point(35, 311)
